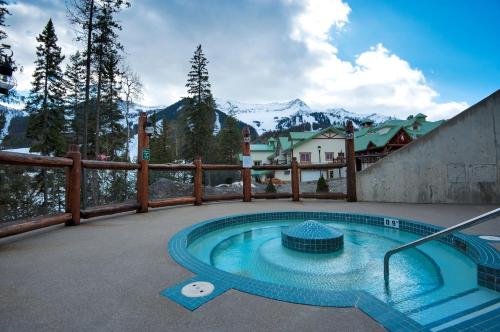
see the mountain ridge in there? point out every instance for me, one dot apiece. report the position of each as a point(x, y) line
point(263, 118)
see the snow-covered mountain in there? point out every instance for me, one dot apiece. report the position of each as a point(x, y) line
point(6, 116)
point(295, 113)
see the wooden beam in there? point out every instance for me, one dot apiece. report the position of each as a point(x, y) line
point(246, 172)
point(271, 167)
point(157, 203)
point(324, 195)
point(142, 176)
point(351, 163)
point(172, 167)
point(108, 209)
point(198, 182)
point(272, 195)
point(295, 180)
point(18, 227)
point(74, 177)
point(322, 166)
point(228, 197)
point(97, 164)
point(25, 159)
point(219, 167)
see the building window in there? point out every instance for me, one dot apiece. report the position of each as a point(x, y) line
point(305, 157)
point(329, 156)
point(287, 172)
point(257, 162)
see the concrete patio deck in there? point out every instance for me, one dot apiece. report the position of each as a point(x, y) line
point(106, 274)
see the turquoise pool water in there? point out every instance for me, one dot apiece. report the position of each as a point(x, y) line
point(428, 283)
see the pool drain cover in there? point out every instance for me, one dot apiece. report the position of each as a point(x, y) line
point(198, 289)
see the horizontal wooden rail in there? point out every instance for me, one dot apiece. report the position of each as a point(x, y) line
point(26, 159)
point(324, 195)
point(108, 209)
point(34, 223)
point(322, 166)
point(271, 167)
point(157, 203)
point(220, 167)
point(172, 167)
point(98, 164)
point(229, 197)
point(272, 195)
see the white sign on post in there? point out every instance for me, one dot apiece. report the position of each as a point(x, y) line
point(247, 162)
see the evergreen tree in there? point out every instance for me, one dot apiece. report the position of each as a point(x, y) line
point(106, 59)
point(270, 188)
point(45, 103)
point(74, 78)
point(199, 115)
point(322, 186)
point(198, 84)
point(84, 14)
point(229, 141)
point(161, 144)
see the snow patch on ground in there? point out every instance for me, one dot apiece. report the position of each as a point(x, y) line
point(22, 150)
point(217, 125)
point(133, 146)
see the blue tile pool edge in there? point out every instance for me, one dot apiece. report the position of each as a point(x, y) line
point(486, 257)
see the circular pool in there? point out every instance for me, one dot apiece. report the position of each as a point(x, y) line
point(246, 252)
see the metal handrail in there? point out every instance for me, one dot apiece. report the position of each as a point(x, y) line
point(465, 224)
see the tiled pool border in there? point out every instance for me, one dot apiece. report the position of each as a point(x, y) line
point(486, 257)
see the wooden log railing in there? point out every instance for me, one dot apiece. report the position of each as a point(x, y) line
point(74, 166)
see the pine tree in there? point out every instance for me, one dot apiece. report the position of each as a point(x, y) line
point(45, 103)
point(229, 141)
point(322, 186)
point(106, 58)
point(270, 188)
point(198, 84)
point(45, 106)
point(74, 78)
point(199, 115)
point(83, 13)
point(161, 144)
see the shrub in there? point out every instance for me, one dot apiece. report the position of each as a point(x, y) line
point(322, 186)
point(270, 187)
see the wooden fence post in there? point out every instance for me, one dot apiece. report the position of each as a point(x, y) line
point(142, 176)
point(295, 180)
point(350, 163)
point(73, 185)
point(198, 182)
point(246, 173)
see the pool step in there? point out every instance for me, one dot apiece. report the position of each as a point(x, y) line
point(447, 309)
point(487, 318)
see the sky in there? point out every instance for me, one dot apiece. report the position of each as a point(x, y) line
point(394, 57)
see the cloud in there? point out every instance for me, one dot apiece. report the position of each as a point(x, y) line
point(378, 80)
point(259, 51)
point(25, 24)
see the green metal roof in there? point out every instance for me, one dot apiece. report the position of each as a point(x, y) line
point(380, 135)
point(300, 135)
point(261, 172)
point(285, 143)
point(261, 148)
point(311, 134)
